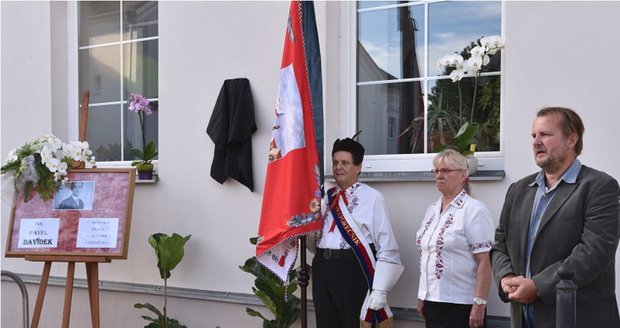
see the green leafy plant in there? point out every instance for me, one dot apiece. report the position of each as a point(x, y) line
point(275, 295)
point(169, 251)
point(144, 162)
point(463, 141)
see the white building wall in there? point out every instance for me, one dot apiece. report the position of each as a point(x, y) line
point(558, 53)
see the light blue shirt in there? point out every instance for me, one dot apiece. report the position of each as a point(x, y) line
point(543, 197)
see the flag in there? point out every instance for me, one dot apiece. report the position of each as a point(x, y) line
point(293, 184)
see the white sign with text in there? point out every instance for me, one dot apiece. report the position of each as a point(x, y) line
point(97, 233)
point(38, 233)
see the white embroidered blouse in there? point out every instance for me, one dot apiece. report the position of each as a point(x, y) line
point(368, 209)
point(447, 243)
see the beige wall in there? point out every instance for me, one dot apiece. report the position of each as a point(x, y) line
point(558, 53)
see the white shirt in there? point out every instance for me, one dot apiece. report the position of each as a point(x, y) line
point(447, 243)
point(368, 209)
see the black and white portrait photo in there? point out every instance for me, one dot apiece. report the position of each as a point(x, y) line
point(75, 195)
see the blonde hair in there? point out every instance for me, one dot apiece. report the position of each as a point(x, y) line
point(454, 159)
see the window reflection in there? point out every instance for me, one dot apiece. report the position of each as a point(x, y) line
point(99, 22)
point(100, 73)
point(139, 19)
point(397, 75)
point(140, 68)
point(385, 111)
point(453, 25)
point(390, 43)
point(104, 132)
point(112, 65)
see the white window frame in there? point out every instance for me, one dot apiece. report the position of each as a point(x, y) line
point(487, 161)
point(73, 92)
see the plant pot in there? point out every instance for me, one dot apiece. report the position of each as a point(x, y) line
point(145, 171)
point(472, 164)
point(145, 175)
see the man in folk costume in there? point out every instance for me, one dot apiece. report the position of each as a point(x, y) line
point(357, 260)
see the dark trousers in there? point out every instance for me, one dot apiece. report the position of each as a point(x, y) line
point(339, 289)
point(448, 315)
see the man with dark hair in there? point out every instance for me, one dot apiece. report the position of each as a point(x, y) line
point(74, 201)
point(357, 259)
point(566, 214)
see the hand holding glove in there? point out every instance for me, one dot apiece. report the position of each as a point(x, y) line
point(377, 300)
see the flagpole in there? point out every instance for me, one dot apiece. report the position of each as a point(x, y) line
point(303, 282)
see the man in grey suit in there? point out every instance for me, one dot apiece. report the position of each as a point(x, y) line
point(74, 201)
point(567, 213)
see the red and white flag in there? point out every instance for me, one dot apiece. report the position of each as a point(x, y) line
point(293, 185)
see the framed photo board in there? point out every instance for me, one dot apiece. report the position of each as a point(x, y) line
point(90, 215)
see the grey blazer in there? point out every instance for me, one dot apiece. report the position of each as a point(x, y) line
point(581, 227)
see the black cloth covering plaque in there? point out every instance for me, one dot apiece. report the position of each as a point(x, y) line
point(230, 127)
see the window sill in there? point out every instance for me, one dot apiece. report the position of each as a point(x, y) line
point(151, 181)
point(497, 175)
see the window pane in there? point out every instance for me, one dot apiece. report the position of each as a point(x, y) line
point(104, 132)
point(448, 111)
point(454, 25)
point(391, 117)
point(133, 130)
point(111, 68)
point(139, 19)
point(140, 68)
point(100, 73)
point(393, 47)
point(371, 4)
point(390, 43)
point(99, 22)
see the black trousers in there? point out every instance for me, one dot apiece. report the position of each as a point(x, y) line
point(339, 289)
point(448, 315)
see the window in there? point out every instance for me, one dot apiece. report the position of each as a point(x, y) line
point(406, 106)
point(118, 55)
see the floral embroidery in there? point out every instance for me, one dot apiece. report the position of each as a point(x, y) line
point(460, 199)
point(486, 244)
point(418, 241)
point(352, 197)
point(439, 248)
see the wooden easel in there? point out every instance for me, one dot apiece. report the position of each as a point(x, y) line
point(92, 277)
point(91, 262)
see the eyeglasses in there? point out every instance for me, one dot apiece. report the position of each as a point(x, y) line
point(444, 171)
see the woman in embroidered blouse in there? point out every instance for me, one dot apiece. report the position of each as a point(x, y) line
point(454, 241)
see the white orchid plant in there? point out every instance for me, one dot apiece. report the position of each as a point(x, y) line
point(480, 56)
point(41, 164)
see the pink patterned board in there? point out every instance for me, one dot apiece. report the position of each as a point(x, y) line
point(89, 216)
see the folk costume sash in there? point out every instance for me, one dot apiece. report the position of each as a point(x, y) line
point(353, 235)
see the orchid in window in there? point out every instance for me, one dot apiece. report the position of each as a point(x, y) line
point(41, 164)
point(459, 68)
point(142, 106)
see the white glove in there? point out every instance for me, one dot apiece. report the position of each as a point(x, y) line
point(377, 300)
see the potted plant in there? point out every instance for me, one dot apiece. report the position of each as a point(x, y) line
point(144, 164)
point(464, 140)
point(169, 251)
point(457, 118)
point(277, 296)
point(145, 156)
